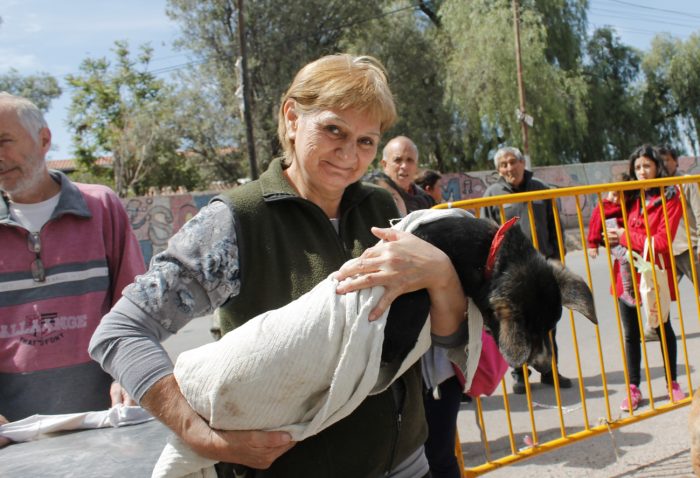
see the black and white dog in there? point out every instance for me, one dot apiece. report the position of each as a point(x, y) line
point(519, 293)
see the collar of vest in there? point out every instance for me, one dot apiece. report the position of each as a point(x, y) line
point(275, 187)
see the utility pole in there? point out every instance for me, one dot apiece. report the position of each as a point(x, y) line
point(524, 118)
point(245, 84)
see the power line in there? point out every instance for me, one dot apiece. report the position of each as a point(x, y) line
point(675, 12)
point(630, 19)
point(642, 17)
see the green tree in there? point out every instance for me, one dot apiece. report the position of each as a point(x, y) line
point(565, 23)
point(41, 88)
point(406, 42)
point(658, 102)
point(208, 130)
point(123, 110)
point(280, 36)
point(616, 121)
point(684, 82)
point(481, 74)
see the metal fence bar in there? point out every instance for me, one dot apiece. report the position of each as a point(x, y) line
point(609, 422)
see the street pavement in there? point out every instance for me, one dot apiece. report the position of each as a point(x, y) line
point(656, 447)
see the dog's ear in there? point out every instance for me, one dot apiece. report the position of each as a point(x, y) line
point(575, 293)
point(512, 338)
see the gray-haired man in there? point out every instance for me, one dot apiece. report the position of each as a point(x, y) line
point(514, 177)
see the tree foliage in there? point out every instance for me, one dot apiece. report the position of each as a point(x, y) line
point(451, 65)
point(209, 131)
point(684, 83)
point(481, 72)
point(616, 122)
point(565, 23)
point(406, 42)
point(122, 110)
point(280, 35)
point(40, 88)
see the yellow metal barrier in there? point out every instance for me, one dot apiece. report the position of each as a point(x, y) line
point(501, 447)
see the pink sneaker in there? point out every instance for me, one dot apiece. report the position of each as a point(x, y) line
point(676, 393)
point(636, 395)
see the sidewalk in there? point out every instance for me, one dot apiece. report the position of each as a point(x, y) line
point(653, 448)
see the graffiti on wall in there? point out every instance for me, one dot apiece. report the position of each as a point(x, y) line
point(156, 218)
point(461, 186)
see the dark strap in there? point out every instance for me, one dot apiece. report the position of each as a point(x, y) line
point(398, 391)
point(231, 470)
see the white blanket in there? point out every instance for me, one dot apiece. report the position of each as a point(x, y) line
point(38, 426)
point(299, 368)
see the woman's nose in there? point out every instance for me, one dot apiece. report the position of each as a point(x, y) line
point(347, 149)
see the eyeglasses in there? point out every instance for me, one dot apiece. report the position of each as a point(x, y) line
point(34, 244)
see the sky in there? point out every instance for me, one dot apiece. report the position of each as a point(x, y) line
point(55, 36)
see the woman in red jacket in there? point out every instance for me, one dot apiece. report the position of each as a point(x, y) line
point(645, 163)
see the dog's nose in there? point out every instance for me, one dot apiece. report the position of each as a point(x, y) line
point(541, 362)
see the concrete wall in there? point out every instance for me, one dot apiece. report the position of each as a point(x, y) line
point(459, 186)
point(156, 218)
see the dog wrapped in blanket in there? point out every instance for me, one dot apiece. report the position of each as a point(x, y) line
point(307, 365)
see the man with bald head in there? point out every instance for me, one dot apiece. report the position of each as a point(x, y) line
point(67, 251)
point(400, 163)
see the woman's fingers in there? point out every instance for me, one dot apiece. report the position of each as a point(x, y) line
point(401, 263)
point(3, 441)
point(387, 234)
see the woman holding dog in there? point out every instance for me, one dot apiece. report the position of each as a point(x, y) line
point(645, 163)
point(264, 244)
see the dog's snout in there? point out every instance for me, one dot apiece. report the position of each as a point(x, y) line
point(542, 366)
point(541, 357)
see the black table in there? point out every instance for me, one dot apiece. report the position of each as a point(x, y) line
point(129, 451)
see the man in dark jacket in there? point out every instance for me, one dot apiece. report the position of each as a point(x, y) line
point(400, 163)
point(516, 178)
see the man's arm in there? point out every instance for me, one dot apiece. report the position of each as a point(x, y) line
point(125, 263)
point(251, 448)
point(552, 232)
point(490, 212)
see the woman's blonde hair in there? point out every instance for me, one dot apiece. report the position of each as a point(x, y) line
point(339, 82)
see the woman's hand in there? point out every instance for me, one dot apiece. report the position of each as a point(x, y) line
point(3, 441)
point(255, 449)
point(405, 263)
point(614, 236)
point(118, 395)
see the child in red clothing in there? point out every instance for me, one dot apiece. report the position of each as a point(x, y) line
point(613, 219)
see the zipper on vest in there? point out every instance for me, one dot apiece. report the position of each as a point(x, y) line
point(392, 456)
point(398, 394)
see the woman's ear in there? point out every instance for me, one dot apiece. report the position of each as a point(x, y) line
point(291, 117)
